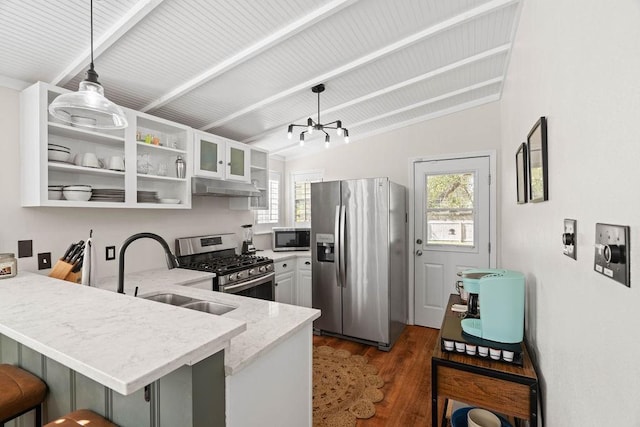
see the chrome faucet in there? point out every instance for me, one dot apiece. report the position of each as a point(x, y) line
point(172, 262)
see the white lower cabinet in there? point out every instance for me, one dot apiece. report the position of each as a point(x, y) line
point(285, 281)
point(303, 282)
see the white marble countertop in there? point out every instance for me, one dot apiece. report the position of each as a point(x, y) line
point(119, 341)
point(267, 323)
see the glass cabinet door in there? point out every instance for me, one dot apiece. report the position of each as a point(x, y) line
point(238, 159)
point(209, 152)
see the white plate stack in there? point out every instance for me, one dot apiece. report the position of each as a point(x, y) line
point(107, 195)
point(58, 153)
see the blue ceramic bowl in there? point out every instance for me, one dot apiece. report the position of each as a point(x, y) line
point(459, 418)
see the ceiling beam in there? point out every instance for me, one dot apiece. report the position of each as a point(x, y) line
point(428, 101)
point(273, 39)
point(428, 75)
point(138, 12)
point(366, 59)
point(411, 107)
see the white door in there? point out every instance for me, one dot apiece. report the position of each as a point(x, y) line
point(452, 229)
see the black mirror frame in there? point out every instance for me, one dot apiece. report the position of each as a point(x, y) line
point(522, 170)
point(541, 124)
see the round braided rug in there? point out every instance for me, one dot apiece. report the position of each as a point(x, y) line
point(345, 388)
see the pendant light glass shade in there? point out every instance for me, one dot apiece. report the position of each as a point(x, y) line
point(89, 108)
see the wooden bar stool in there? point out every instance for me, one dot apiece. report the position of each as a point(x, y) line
point(20, 392)
point(81, 417)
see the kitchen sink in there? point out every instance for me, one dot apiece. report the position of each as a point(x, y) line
point(210, 307)
point(191, 303)
point(172, 299)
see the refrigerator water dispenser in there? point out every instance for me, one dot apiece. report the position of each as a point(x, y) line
point(325, 245)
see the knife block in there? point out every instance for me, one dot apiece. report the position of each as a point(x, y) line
point(62, 270)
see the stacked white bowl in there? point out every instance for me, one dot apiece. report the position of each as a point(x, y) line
point(58, 153)
point(55, 192)
point(79, 193)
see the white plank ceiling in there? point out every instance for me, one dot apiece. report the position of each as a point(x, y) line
point(244, 69)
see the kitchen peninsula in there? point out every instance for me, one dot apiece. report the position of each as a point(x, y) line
point(99, 350)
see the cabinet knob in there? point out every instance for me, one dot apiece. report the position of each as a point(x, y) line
point(307, 263)
point(229, 164)
point(275, 284)
point(284, 265)
point(220, 162)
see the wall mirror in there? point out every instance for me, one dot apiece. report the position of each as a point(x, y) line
point(537, 150)
point(521, 174)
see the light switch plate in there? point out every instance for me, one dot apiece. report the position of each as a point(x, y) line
point(569, 238)
point(44, 260)
point(612, 253)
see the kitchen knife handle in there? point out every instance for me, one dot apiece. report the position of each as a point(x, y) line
point(68, 251)
point(336, 246)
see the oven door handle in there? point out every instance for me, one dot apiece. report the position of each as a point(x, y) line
point(230, 289)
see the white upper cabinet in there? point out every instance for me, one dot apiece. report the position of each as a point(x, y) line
point(260, 179)
point(221, 158)
point(120, 171)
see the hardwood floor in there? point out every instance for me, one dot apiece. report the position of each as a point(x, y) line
point(406, 371)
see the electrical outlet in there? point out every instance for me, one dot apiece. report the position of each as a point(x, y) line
point(44, 260)
point(569, 238)
point(612, 254)
point(110, 253)
point(25, 248)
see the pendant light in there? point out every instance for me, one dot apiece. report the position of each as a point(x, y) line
point(311, 125)
point(88, 107)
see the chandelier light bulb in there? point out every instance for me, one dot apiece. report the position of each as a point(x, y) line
point(346, 136)
point(302, 139)
point(339, 127)
point(309, 125)
point(290, 132)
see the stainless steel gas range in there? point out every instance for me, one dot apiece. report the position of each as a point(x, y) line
point(246, 275)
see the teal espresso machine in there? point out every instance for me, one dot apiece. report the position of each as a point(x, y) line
point(497, 296)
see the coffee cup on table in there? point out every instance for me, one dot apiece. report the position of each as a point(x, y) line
point(478, 417)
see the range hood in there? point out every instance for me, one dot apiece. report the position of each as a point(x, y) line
point(219, 187)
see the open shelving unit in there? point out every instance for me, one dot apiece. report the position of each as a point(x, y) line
point(38, 129)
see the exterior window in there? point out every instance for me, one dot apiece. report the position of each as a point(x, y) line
point(272, 215)
point(301, 185)
point(450, 209)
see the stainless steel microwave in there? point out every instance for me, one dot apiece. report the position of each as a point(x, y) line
point(291, 239)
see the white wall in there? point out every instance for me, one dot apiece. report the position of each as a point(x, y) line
point(53, 229)
point(579, 65)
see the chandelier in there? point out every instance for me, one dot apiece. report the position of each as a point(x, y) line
point(88, 107)
point(317, 126)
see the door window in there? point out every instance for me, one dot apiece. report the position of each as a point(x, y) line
point(450, 209)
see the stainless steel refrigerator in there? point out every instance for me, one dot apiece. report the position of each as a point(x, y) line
point(359, 268)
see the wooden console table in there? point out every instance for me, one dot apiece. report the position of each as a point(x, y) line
point(498, 386)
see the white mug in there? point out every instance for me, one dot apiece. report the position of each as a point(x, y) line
point(89, 160)
point(115, 163)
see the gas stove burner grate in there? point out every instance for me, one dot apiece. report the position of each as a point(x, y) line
point(226, 264)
